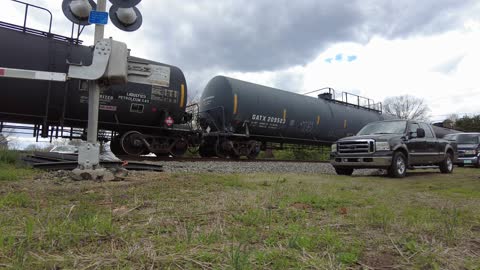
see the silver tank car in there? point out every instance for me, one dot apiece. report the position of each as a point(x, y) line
point(239, 117)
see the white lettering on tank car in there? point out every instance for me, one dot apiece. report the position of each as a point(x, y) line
point(208, 100)
point(268, 119)
point(155, 75)
point(135, 97)
point(165, 95)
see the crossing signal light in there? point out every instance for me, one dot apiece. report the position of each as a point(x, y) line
point(125, 3)
point(78, 11)
point(124, 15)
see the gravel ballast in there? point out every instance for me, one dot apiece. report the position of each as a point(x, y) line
point(253, 167)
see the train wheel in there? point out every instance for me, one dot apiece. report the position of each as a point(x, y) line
point(253, 155)
point(179, 148)
point(234, 156)
point(219, 149)
point(132, 143)
point(116, 147)
point(255, 150)
point(206, 150)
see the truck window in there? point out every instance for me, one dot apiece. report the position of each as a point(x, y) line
point(413, 128)
point(428, 130)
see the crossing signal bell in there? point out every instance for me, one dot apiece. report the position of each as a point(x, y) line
point(78, 11)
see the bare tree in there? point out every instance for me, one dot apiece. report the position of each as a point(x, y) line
point(5, 138)
point(406, 107)
point(450, 121)
point(3, 141)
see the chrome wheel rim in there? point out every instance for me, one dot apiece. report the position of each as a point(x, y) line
point(400, 166)
point(449, 163)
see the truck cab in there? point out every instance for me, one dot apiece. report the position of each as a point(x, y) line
point(394, 145)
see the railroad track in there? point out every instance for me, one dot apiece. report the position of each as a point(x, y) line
point(196, 159)
point(55, 161)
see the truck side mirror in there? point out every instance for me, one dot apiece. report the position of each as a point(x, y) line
point(420, 133)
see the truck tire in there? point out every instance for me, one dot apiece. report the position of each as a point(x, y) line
point(398, 169)
point(447, 164)
point(344, 171)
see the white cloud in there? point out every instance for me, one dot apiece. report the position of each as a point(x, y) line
point(396, 67)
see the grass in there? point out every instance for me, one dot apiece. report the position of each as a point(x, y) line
point(11, 168)
point(255, 221)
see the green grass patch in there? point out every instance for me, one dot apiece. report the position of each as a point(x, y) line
point(255, 221)
point(9, 157)
point(11, 168)
point(15, 200)
point(461, 192)
point(13, 173)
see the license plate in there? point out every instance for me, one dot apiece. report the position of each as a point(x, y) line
point(467, 162)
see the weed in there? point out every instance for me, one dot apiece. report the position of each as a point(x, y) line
point(9, 157)
point(13, 173)
point(318, 201)
point(275, 259)
point(15, 200)
point(239, 257)
point(209, 238)
point(348, 258)
point(380, 216)
point(451, 222)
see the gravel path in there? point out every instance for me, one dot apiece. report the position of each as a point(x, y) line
point(253, 167)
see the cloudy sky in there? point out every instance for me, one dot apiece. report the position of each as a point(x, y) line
point(375, 48)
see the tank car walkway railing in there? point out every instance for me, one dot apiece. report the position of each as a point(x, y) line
point(36, 32)
point(27, 6)
point(348, 99)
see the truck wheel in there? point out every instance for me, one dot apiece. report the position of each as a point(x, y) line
point(447, 164)
point(398, 169)
point(344, 171)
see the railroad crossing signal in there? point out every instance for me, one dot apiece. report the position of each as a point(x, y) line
point(125, 3)
point(126, 19)
point(123, 13)
point(78, 11)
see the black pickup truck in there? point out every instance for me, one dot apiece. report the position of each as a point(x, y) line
point(395, 145)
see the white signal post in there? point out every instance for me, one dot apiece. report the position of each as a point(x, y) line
point(94, 87)
point(89, 153)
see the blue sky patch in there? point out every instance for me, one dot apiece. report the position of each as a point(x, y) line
point(351, 58)
point(339, 57)
point(329, 60)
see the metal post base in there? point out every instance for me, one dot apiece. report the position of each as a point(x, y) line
point(89, 156)
point(100, 174)
point(89, 164)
